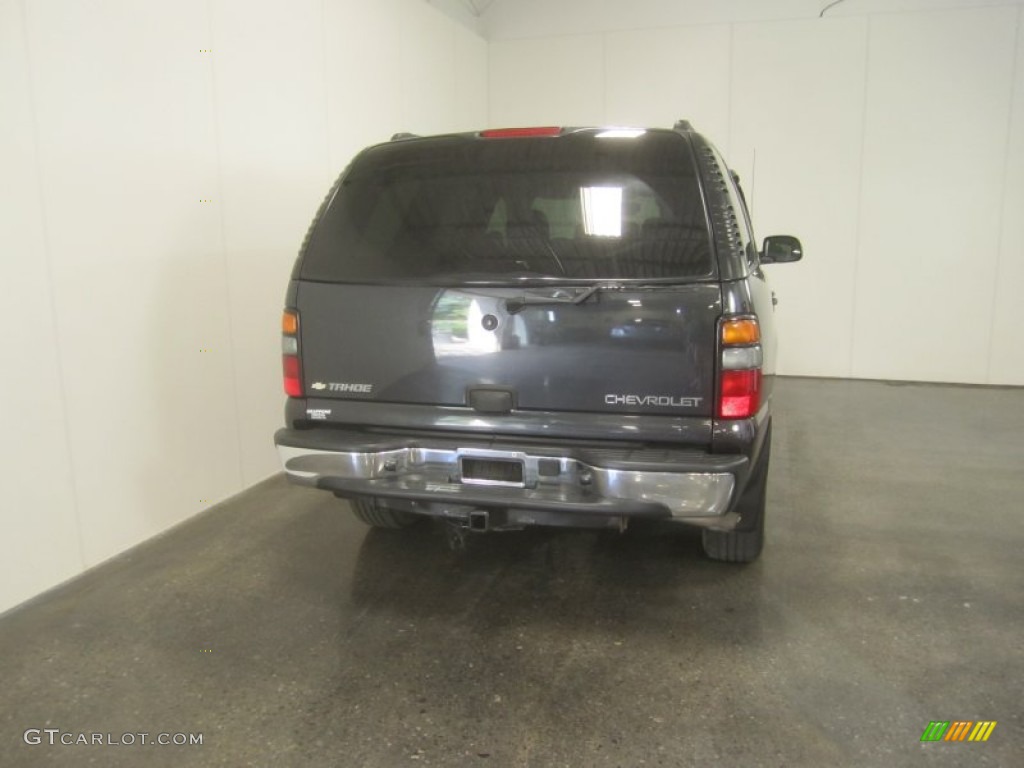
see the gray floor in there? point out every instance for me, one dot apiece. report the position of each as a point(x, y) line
point(890, 594)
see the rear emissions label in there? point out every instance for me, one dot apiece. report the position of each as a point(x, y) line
point(665, 401)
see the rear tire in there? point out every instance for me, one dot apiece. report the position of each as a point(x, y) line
point(744, 543)
point(366, 509)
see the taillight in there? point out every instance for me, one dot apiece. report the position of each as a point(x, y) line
point(740, 395)
point(290, 353)
point(739, 391)
point(519, 133)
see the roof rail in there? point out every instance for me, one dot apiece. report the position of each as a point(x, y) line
point(404, 135)
point(683, 125)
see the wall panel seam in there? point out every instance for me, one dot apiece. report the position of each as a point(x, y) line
point(218, 151)
point(1004, 186)
point(327, 95)
point(859, 215)
point(52, 301)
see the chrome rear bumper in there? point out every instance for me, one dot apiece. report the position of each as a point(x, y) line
point(689, 486)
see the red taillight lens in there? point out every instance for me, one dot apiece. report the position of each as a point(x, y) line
point(290, 347)
point(519, 133)
point(740, 395)
point(292, 376)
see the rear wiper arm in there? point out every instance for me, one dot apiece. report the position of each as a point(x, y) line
point(518, 303)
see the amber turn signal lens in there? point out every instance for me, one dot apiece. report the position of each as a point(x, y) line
point(740, 331)
point(290, 322)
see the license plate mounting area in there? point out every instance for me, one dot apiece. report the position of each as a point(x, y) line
point(492, 468)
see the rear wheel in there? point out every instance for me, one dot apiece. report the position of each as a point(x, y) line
point(368, 511)
point(744, 543)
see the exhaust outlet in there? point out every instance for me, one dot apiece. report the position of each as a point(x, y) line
point(479, 520)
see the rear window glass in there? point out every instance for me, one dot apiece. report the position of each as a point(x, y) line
point(576, 207)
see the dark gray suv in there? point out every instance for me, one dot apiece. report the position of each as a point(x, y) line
point(536, 326)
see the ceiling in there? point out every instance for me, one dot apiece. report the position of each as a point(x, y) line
point(478, 7)
point(507, 19)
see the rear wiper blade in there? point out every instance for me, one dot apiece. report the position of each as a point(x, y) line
point(518, 303)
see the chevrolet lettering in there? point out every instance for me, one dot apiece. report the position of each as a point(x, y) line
point(660, 400)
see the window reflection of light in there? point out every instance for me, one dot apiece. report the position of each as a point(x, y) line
point(602, 211)
point(621, 133)
point(457, 328)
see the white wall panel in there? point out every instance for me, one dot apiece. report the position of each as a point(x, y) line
point(471, 82)
point(553, 81)
point(272, 139)
point(39, 532)
point(126, 144)
point(364, 73)
point(652, 78)
point(798, 96)
point(935, 141)
point(397, 65)
point(428, 80)
point(1006, 348)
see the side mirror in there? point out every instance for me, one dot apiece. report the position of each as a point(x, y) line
point(779, 249)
